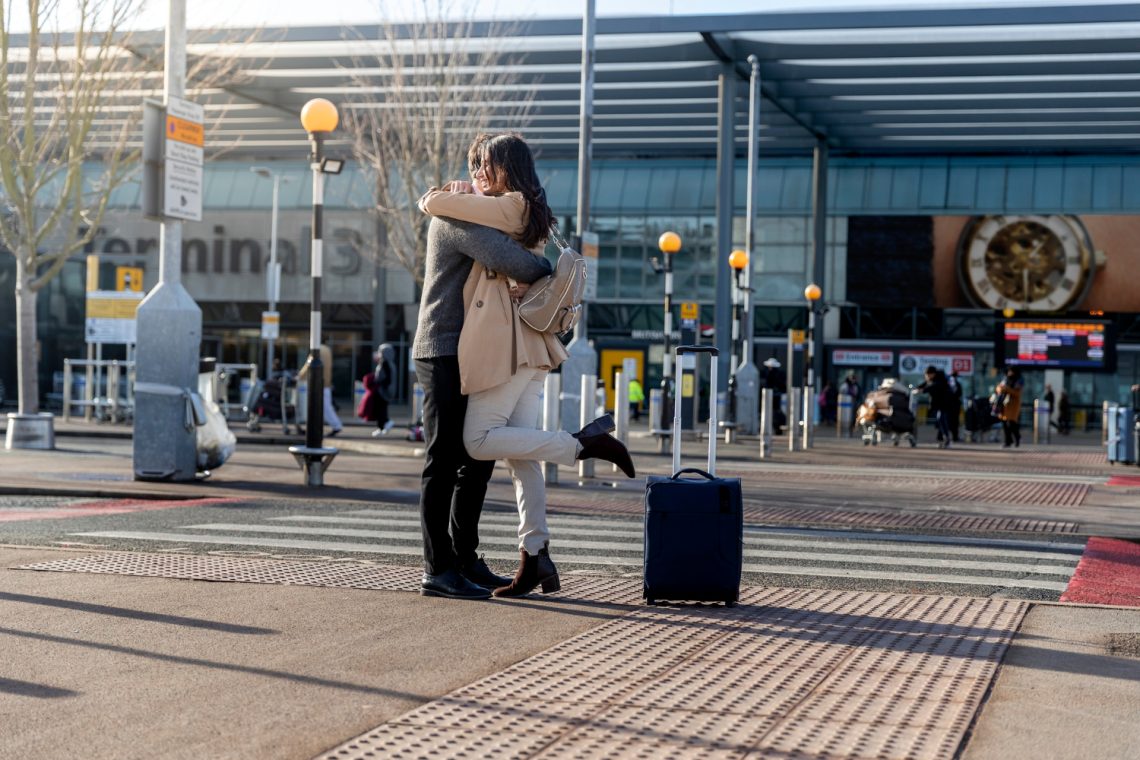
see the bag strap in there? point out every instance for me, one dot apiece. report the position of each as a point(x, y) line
point(558, 239)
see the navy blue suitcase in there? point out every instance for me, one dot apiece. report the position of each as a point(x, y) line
point(694, 526)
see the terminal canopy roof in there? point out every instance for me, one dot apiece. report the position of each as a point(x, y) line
point(1052, 77)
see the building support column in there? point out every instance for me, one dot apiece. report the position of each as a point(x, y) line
point(725, 163)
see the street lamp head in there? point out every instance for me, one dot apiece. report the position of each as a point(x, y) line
point(669, 242)
point(812, 292)
point(738, 259)
point(319, 115)
point(1008, 313)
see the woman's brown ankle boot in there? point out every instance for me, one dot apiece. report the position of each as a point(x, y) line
point(534, 570)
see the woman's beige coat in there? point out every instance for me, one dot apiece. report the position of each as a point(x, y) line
point(494, 342)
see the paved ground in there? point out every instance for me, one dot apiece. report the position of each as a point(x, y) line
point(119, 649)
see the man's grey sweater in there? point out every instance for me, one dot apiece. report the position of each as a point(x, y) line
point(452, 248)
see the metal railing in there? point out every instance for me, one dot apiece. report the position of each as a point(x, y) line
point(101, 393)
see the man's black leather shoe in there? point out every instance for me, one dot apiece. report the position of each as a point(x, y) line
point(478, 573)
point(452, 585)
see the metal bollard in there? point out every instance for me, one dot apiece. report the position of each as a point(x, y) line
point(1104, 407)
point(793, 396)
point(551, 392)
point(586, 415)
point(845, 417)
point(1041, 413)
point(621, 410)
point(765, 423)
point(417, 404)
point(808, 415)
point(67, 390)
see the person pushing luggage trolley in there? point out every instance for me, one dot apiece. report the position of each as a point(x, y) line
point(694, 527)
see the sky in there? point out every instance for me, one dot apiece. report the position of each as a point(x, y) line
point(204, 14)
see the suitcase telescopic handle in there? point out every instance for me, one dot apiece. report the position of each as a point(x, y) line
point(714, 353)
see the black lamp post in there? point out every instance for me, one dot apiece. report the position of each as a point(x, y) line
point(670, 244)
point(738, 261)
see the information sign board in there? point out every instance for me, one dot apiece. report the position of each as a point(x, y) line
point(111, 316)
point(1057, 344)
point(183, 154)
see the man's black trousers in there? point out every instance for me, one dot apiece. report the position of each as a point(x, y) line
point(453, 484)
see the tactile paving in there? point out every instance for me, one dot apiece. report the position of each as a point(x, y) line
point(872, 518)
point(241, 570)
point(787, 673)
point(361, 574)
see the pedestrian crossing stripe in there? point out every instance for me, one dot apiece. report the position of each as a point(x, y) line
point(617, 543)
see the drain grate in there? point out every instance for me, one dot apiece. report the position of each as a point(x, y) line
point(788, 673)
point(922, 521)
point(1015, 492)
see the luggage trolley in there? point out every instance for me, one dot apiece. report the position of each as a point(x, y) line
point(274, 400)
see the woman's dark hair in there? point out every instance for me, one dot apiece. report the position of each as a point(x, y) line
point(475, 152)
point(509, 155)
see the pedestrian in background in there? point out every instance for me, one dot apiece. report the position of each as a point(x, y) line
point(955, 419)
point(942, 402)
point(636, 396)
point(379, 387)
point(1009, 393)
point(331, 418)
point(828, 400)
point(1063, 409)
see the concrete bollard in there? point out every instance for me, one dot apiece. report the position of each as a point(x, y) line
point(417, 404)
point(808, 415)
point(1041, 413)
point(766, 423)
point(845, 417)
point(793, 417)
point(585, 416)
point(551, 408)
point(621, 409)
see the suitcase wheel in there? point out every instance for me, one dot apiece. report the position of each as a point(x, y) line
point(651, 602)
point(728, 603)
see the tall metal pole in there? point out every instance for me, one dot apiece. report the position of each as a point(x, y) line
point(819, 240)
point(315, 424)
point(274, 275)
point(169, 326)
point(725, 165)
point(750, 202)
point(747, 375)
point(582, 360)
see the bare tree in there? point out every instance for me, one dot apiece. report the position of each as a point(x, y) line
point(70, 112)
point(430, 86)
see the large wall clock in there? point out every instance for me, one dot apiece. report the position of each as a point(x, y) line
point(1029, 263)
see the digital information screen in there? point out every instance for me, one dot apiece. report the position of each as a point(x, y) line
point(1057, 344)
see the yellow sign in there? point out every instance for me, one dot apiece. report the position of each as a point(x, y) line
point(690, 309)
point(687, 382)
point(798, 337)
point(129, 278)
point(111, 308)
point(185, 131)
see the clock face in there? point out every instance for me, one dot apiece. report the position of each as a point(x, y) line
point(1028, 263)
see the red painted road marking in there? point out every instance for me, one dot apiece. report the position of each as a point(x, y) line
point(1108, 573)
point(116, 507)
point(1124, 480)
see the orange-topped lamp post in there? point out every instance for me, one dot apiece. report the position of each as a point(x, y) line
point(318, 117)
point(738, 261)
point(669, 243)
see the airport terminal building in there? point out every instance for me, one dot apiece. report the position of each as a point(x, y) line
point(927, 182)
